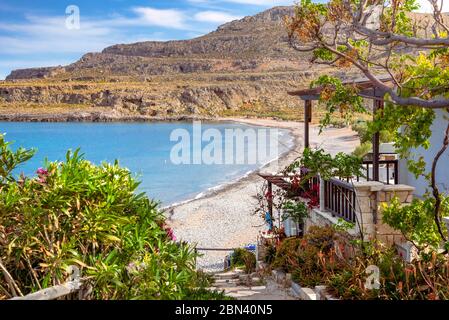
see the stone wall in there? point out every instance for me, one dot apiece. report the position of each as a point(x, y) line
point(404, 193)
point(371, 197)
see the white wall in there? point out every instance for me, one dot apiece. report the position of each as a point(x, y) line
point(438, 129)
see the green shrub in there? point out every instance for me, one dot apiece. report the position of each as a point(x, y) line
point(286, 254)
point(270, 253)
point(304, 258)
point(321, 238)
point(362, 129)
point(424, 279)
point(338, 123)
point(244, 258)
point(77, 213)
point(297, 211)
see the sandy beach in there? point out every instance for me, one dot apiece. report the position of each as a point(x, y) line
point(225, 218)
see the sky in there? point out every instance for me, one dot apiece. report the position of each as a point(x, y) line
point(37, 33)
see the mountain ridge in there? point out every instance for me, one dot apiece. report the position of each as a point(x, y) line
point(239, 45)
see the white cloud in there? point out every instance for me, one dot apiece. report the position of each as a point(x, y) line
point(50, 35)
point(427, 7)
point(215, 17)
point(264, 3)
point(42, 40)
point(167, 18)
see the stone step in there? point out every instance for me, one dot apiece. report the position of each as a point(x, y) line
point(226, 277)
point(225, 281)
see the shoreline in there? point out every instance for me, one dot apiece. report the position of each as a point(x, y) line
point(225, 217)
point(95, 117)
point(250, 175)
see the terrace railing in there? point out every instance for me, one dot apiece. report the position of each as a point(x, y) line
point(388, 171)
point(339, 195)
point(340, 199)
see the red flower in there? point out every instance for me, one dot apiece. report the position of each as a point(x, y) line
point(314, 196)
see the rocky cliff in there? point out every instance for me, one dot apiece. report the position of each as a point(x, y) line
point(243, 62)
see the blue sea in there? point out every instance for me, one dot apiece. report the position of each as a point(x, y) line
point(146, 149)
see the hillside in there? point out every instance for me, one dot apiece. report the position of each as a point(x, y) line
point(256, 43)
point(244, 64)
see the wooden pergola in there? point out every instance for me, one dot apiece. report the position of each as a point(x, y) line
point(366, 90)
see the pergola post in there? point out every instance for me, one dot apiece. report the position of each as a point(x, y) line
point(307, 120)
point(378, 104)
point(270, 199)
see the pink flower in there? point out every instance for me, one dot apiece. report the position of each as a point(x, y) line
point(42, 172)
point(170, 234)
point(42, 175)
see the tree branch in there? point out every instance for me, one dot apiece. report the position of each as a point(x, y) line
point(10, 280)
point(435, 189)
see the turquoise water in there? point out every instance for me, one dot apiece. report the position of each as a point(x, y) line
point(144, 148)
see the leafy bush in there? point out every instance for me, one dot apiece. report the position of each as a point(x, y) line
point(309, 259)
point(322, 163)
point(320, 237)
point(287, 254)
point(294, 253)
point(77, 213)
point(416, 221)
point(314, 260)
point(338, 122)
point(365, 133)
point(361, 128)
point(270, 253)
point(244, 258)
point(420, 280)
point(297, 211)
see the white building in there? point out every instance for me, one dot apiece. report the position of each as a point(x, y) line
point(438, 129)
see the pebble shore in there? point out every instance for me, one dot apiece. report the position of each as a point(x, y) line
point(225, 218)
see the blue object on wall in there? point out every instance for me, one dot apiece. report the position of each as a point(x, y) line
point(269, 221)
point(251, 247)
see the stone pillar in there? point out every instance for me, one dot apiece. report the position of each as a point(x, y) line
point(404, 193)
point(366, 207)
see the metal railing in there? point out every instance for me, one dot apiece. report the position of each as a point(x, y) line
point(340, 199)
point(388, 171)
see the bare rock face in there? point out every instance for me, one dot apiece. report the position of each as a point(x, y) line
point(210, 96)
point(242, 45)
point(37, 73)
point(243, 62)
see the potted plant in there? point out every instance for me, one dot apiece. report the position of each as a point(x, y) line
point(294, 212)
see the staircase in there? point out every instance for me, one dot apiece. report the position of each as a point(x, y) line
point(238, 285)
